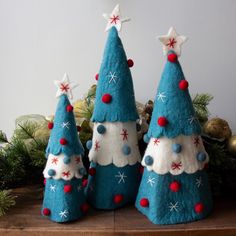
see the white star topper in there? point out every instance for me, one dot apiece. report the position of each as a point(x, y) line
point(64, 86)
point(114, 19)
point(172, 41)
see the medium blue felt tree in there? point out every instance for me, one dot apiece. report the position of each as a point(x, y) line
point(174, 186)
point(64, 198)
point(115, 159)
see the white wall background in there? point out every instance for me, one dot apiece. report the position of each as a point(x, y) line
point(41, 39)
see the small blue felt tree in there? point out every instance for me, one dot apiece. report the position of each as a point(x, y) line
point(115, 159)
point(174, 186)
point(64, 198)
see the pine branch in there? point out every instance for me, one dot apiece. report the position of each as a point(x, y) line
point(3, 137)
point(200, 103)
point(27, 131)
point(6, 201)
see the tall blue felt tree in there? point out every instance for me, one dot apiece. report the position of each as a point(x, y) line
point(115, 159)
point(64, 198)
point(174, 186)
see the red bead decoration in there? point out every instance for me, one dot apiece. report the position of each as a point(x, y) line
point(118, 198)
point(199, 208)
point(67, 188)
point(141, 169)
point(96, 76)
point(44, 181)
point(144, 202)
point(106, 98)
point(130, 63)
point(183, 84)
point(63, 141)
point(175, 186)
point(84, 183)
point(162, 121)
point(50, 125)
point(172, 57)
point(92, 171)
point(46, 211)
point(69, 108)
point(84, 207)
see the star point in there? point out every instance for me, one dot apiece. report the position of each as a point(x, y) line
point(161, 96)
point(64, 87)
point(174, 206)
point(114, 19)
point(151, 181)
point(172, 41)
point(64, 214)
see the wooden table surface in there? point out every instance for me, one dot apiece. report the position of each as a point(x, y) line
point(25, 219)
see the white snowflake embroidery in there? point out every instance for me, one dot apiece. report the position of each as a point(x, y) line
point(64, 214)
point(65, 125)
point(161, 96)
point(112, 77)
point(192, 119)
point(53, 188)
point(174, 206)
point(151, 181)
point(199, 182)
point(121, 177)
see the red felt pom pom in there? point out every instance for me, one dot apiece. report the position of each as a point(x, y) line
point(96, 76)
point(92, 171)
point(44, 181)
point(172, 57)
point(67, 188)
point(69, 108)
point(79, 128)
point(183, 84)
point(118, 198)
point(84, 183)
point(46, 211)
point(106, 98)
point(130, 63)
point(175, 186)
point(63, 141)
point(50, 125)
point(199, 208)
point(141, 169)
point(162, 121)
point(144, 202)
point(84, 207)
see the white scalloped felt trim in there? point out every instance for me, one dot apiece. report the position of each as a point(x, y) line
point(111, 143)
point(165, 160)
point(63, 171)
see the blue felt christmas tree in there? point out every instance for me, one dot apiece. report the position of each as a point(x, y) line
point(64, 198)
point(174, 186)
point(115, 159)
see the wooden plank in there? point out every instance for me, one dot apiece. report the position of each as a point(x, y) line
point(24, 219)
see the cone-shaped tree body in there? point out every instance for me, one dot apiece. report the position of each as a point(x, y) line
point(114, 172)
point(64, 198)
point(174, 186)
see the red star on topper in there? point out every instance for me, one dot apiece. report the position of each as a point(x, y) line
point(114, 19)
point(172, 41)
point(64, 86)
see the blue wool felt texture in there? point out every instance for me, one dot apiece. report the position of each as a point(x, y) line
point(58, 201)
point(177, 106)
point(74, 146)
point(160, 197)
point(122, 106)
point(105, 184)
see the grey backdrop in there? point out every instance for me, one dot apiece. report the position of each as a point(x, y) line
point(42, 39)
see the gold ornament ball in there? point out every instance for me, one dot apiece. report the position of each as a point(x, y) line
point(232, 145)
point(217, 128)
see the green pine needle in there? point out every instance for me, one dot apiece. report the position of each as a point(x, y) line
point(3, 137)
point(200, 103)
point(6, 201)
